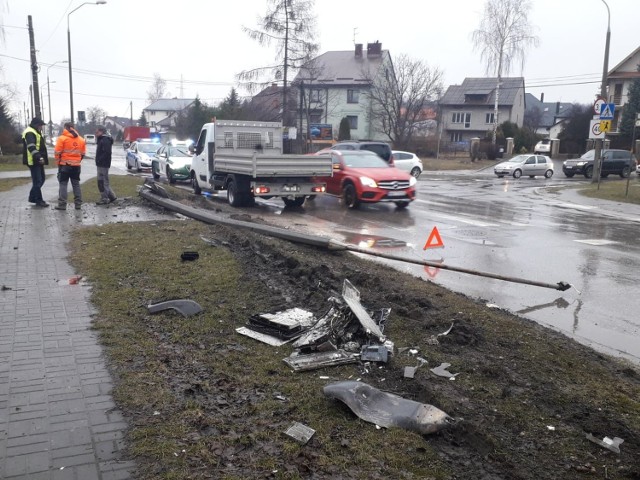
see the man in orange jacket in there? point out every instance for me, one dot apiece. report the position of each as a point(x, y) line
point(69, 152)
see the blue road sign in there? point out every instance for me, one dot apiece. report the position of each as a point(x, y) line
point(607, 111)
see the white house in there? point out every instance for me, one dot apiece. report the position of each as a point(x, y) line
point(336, 84)
point(162, 113)
point(619, 80)
point(467, 110)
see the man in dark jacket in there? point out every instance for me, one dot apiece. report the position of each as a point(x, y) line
point(103, 162)
point(34, 155)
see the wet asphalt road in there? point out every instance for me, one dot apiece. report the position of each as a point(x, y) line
point(515, 228)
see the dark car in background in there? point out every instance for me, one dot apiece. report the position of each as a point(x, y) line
point(617, 162)
point(382, 149)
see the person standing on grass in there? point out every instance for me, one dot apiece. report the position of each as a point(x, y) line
point(34, 155)
point(69, 152)
point(103, 163)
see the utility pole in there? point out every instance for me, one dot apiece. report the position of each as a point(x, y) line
point(597, 163)
point(131, 113)
point(34, 69)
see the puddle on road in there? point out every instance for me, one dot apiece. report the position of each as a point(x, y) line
point(364, 240)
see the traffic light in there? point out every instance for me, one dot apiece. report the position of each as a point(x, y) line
point(82, 119)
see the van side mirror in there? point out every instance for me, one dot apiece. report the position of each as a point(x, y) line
point(192, 148)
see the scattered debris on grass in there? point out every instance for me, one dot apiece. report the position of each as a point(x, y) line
point(185, 307)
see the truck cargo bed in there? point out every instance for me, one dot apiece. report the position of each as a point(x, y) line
point(265, 165)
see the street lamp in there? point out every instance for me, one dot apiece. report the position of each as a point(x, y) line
point(603, 94)
point(99, 2)
point(49, 95)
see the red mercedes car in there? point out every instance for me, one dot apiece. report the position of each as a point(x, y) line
point(360, 176)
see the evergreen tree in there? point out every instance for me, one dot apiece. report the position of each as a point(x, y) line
point(8, 132)
point(142, 121)
point(576, 129)
point(344, 131)
point(631, 109)
point(188, 124)
point(231, 108)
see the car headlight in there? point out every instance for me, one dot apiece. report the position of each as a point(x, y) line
point(412, 181)
point(581, 163)
point(368, 182)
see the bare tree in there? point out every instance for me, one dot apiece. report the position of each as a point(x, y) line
point(96, 115)
point(158, 88)
point(399, 100)
point(503, 37)
point(290, 25)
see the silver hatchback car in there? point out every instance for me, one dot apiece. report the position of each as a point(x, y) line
point(526, 164)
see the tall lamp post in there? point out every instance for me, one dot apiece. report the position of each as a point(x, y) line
point(99, 2)
point(49, 96)
point(603, 94)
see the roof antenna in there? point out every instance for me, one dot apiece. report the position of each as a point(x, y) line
point(355, 29)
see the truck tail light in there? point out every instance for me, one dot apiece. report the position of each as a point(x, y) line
point(261, 190)
point(319, 188)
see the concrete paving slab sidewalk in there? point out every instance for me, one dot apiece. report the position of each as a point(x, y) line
point(57, 417)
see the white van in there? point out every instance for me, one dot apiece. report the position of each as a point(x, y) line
point(90, 139)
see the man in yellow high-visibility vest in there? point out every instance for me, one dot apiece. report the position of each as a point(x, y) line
point(34, 155)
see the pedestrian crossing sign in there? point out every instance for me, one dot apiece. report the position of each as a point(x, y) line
point(607, 111)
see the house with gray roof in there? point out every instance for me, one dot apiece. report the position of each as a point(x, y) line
point(547, 118)
point(619, 81)
point(162, 113)
point(336, 85)
point(467, 110)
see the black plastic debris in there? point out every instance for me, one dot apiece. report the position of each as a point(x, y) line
point(189, 256)
point(278, 328)
point(184, 307)
point(386, 409)
point(313, 361)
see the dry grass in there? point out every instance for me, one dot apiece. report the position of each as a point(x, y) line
point(615, 190)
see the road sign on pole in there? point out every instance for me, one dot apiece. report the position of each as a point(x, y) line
point(594, 130)
point(605, 126)
point(607, 111)
point(597, 105)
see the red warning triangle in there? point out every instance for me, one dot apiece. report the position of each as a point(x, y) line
point(434, 240)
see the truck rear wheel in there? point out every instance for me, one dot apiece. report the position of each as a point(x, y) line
point(233, 196)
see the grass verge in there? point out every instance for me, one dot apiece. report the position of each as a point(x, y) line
point(615, 190)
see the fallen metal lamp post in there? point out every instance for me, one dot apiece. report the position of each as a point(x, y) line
point(159, 198)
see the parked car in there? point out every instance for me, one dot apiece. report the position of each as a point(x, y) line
point(638, 169)
point(618, 162)
point(526, 164)
point(543, 147)
point(407, 161)
point(363, 177)
point(140, 154)
point(174, 161)
point(382, 149)
point(90, 139)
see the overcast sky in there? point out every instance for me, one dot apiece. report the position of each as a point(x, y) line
point(117, 47)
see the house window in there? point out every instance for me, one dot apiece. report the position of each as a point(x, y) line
point(353, 96)
point(462, 117)
point(617, 94)
point(315, 95)
point(488, 118)
point(315, 118)
point(353, 121)
point(456, 136)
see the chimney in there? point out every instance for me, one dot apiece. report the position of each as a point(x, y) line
point(358, 50)
point(557, 108)
point(542, 97)
point(374, 49)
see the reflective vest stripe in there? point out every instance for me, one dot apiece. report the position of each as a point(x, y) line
point(37, 144)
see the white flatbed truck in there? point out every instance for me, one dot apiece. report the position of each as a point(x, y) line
point(245, 158)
